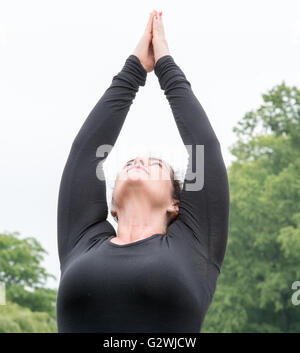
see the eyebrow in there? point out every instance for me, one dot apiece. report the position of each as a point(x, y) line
point(153, 158)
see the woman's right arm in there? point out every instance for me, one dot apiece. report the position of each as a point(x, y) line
point(82, 195)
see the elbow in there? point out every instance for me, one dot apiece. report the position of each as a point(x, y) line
point(78, 142)
point(212, 140)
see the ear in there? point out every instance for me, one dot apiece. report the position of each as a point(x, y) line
point(176, 205)
point(114, 215)
point(174, 208)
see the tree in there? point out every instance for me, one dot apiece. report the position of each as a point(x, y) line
point(17, 319)
point(23, 275)
point(262, 259)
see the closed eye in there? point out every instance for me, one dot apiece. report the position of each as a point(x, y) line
point(157, 163)
point(154, 162)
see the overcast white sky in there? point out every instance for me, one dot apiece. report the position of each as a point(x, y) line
point(58, 57)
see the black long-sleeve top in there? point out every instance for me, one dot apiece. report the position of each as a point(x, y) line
point(165, 282)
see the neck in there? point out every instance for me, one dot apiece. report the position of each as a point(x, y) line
point(139, 220)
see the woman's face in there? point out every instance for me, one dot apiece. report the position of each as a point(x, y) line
point(149, 176)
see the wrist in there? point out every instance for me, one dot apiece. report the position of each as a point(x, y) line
point(140, 62)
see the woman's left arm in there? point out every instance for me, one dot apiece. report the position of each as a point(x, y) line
point(204, 205)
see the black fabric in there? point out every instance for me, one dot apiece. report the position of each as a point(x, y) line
point(163, 283)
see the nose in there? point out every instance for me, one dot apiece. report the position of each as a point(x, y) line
point(139, 160)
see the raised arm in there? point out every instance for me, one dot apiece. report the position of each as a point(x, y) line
point(204, 211)
point(82, 195)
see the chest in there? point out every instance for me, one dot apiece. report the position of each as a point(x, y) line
point(134, 275)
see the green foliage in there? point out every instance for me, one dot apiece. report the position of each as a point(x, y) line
point(262, 259)
point(41, 299)
point(16, 319)
point(20, 261)
point(25, 279)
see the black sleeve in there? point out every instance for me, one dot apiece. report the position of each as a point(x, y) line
point(206, 210)
point(82, 194)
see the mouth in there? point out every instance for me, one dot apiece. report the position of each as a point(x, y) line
point(139, 168)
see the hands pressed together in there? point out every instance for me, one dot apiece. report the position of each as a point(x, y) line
point(153, 44)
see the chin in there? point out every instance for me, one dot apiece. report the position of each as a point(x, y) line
point(135, 185)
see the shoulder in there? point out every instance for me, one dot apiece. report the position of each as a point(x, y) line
point(95, 233)
point(184, 236)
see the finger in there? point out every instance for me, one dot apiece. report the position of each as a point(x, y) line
point(160, 17)
point(155, 21)
point(149, 24)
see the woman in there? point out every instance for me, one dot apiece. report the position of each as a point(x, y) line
point(159, 272)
